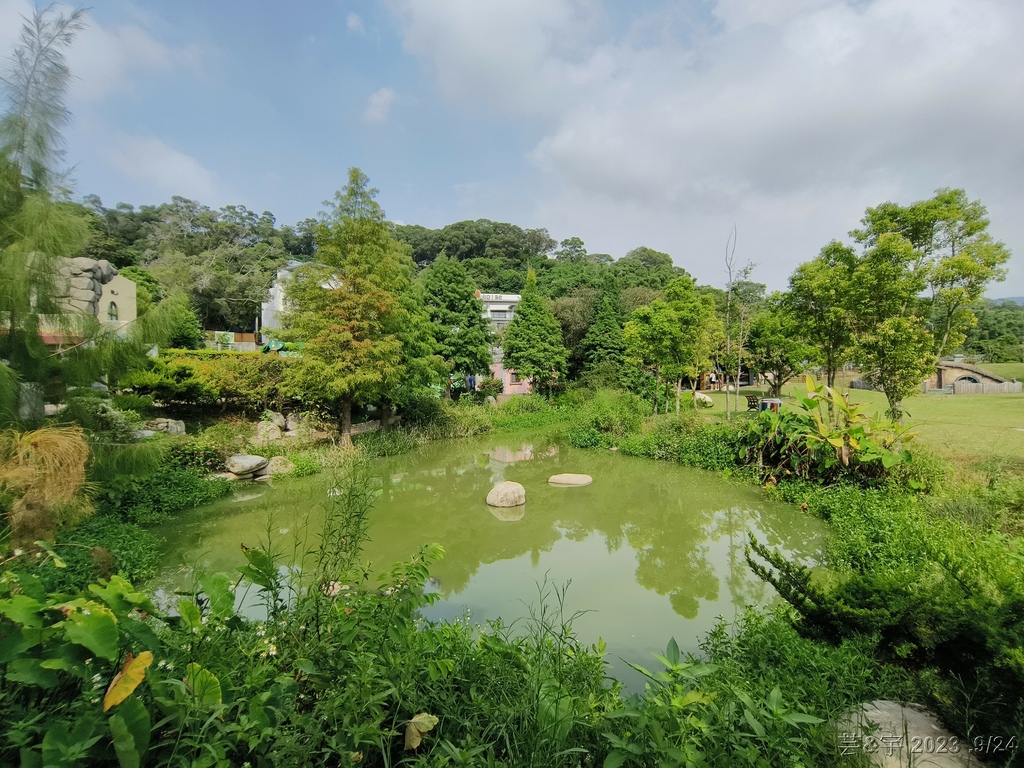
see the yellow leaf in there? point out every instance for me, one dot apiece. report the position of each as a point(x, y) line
point(417, 727)
point(127, 680)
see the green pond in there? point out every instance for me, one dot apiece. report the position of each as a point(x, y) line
point(652, 550)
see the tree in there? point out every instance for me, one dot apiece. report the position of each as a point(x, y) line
point(462, 333)
point(954, 255)
point(347, 353)
point(675, 337)
point(818, 302)
point(774, 347)
point(646, 268)
point(355, 239)
point(894, 348)
point(571, 251)
point(533, 345)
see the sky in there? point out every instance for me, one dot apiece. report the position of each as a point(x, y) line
point(623, 122)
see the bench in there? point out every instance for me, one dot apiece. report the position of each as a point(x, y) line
point(752, 403)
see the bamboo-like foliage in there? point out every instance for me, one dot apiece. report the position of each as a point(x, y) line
point(35, 87)
point(45, 470)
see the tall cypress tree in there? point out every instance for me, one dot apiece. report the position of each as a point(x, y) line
point(604, 343)
point(533, 342)
point(463, 334)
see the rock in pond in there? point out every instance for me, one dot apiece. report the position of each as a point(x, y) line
point(278, 465)
point(570, 480)
point(509, 514)
point(506, 494)
point(885, 732)
point(244, 464)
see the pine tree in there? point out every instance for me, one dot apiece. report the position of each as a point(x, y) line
point(533, 342)
point(456, 314)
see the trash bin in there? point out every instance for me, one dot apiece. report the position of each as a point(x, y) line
point(771, 404)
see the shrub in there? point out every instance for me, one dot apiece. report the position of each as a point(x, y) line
point(159, 496)
point(141, 404)
point(305, 465)
point(690, 440)
point(377, 443)
point(100, 546)
point(198, 454)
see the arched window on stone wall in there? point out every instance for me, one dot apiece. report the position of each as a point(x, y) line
point(112, 312)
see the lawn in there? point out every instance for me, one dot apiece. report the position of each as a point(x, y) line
point(1005, 370)
point(972, 431)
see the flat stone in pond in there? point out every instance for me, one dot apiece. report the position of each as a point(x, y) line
point(244, 464)
point(894, 735)
point(507, 494)
point(570, 480)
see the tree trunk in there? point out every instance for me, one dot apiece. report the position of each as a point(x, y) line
point(346, 422)
point(385, 416)
point(679, 390)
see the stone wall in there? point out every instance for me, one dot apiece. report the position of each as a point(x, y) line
point(82, 280)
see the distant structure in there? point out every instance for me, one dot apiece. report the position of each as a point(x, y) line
point(276, 305)
point(91, 287)
point(499, 309)
point(956, 376)
point(272, 309)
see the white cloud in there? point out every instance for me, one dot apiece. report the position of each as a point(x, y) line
point(355, 24)
point(109, 60)
point(787, 118)
point(379, 106)
point(160, 169)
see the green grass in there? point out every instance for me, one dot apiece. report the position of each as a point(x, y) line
point(1005, 370)
point(970, 431)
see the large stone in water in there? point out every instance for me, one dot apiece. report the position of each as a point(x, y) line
point(507, 494)
point(244, 464)
point(279, 465)
point(894, 735)
point(570, 480)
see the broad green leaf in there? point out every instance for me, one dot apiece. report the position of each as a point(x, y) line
point(758, 728)
point(217, 587)
point(204, 685)
point(615, 759)
point(31, 672)
point(190, 614)
point(94, 627)
point(121, 596)
point(127, 680)
point(554, 709)
point(23, 610)
point(672, 651)
point(800, 717)
point(131, 728)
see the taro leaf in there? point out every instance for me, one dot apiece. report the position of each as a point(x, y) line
point(32, 672)
point(23, 610)
point(131, 728)
point(127, 680)
point(203, 684)
point(417, 727)
point(217, 588)
point(190, 614)
point(95, 628)
point(121, 596)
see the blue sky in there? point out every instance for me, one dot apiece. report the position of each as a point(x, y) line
point(623, 123)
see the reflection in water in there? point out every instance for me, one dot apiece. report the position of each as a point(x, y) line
point(653, 550)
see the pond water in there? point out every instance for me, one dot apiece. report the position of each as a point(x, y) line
point(652, 550)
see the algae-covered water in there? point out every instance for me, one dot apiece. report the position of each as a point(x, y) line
point(652, 550)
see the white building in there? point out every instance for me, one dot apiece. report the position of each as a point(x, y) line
point(499, 308)
point(275, 306)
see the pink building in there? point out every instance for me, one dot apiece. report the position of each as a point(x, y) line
point(499, 309)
